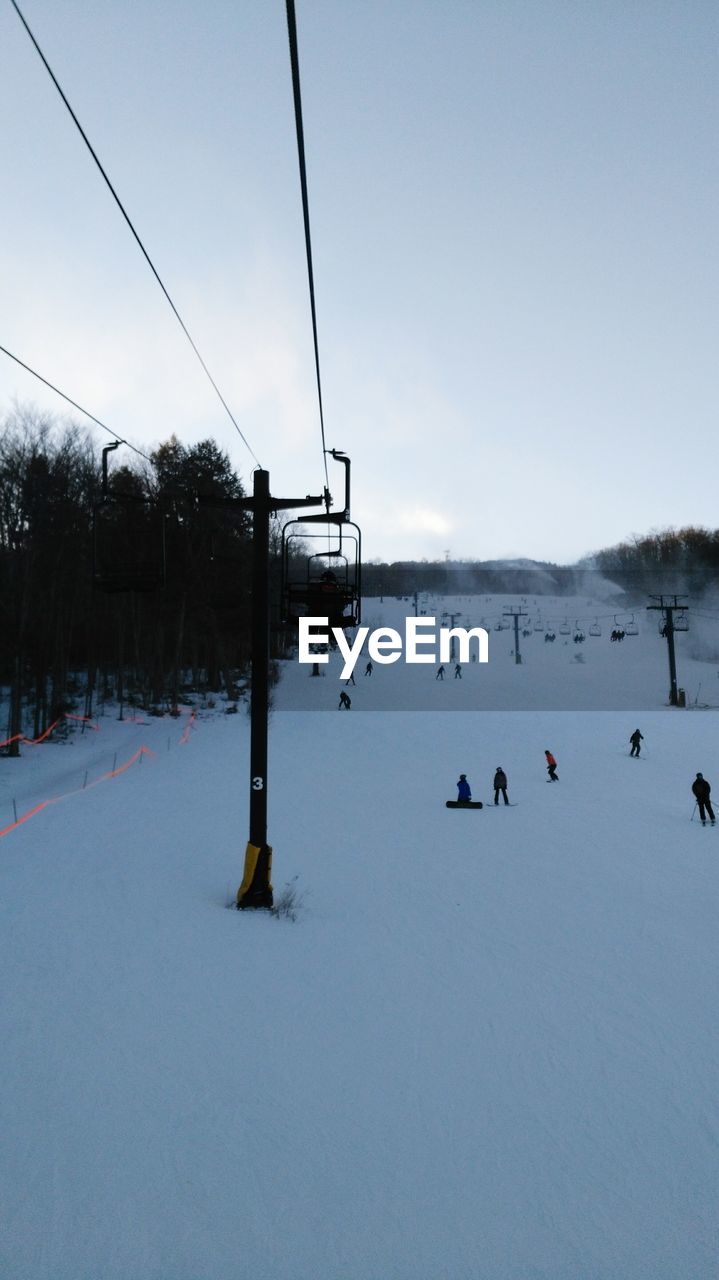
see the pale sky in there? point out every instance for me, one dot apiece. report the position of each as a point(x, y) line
point(514, 212)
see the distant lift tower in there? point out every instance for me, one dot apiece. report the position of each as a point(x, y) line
point(516, 614)
point(669, 606)
point(452, 619)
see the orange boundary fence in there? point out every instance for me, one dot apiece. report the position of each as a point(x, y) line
point(32, 742)
point(105, 777)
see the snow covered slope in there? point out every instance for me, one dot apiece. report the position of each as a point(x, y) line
point(485, 1050)
point(594, 675)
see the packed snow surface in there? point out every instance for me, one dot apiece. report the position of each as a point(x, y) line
point(485, 1049)
point(564, 673)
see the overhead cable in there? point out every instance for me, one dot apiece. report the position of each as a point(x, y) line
point(126, 216)
point(294, 60)
point(74, 403)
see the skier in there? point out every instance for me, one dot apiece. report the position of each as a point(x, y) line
point(702, 791)
point(368, 669)
point(464, 791)
point(551, 767)
point(440, 673)
point(635, 739)
point(457, 671)
point(345, 701)
point(500, 784)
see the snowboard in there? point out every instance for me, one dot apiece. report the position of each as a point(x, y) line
point(464, 804)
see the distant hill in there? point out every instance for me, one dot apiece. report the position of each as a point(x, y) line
point(671, 560)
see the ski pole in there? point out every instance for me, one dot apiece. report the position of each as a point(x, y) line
point(693, 811)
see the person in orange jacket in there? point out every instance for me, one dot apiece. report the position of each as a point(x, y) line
point(551, 767)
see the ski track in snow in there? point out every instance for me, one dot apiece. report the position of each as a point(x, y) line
point(486, 1050)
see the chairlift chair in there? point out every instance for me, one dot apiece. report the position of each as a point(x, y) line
point(595, 629)
point(128, 540)
point(564, 628)
point(327, 582)
point(681, 622)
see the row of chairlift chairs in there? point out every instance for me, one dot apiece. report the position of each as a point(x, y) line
point(550, 630)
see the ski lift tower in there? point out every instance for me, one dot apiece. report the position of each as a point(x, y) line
point(516, 614)
point(669, 605)
point(452, 619)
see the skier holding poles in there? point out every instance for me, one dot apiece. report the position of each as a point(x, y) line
point(702, 791)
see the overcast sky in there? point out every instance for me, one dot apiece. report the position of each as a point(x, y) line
point(514, 214)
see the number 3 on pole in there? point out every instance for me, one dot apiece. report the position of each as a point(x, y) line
point(258, 784)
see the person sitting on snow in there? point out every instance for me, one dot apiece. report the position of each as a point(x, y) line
point(464, 791)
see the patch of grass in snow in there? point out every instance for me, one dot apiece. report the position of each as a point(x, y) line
point(289, 902)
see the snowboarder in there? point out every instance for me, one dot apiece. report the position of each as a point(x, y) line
point(702, 791)
point(551, 767)
point(635, 739)
point(457, 671)
point(368, 669)
point(500, 784)
point(440, 673)
point(345, 702)
point(464, 791)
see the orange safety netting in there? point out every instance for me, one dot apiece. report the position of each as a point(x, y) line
point(113, 773)
point(31, 742)
point(186, 735)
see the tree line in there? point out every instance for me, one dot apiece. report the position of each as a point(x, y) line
point(66, 643)
point(670, 560)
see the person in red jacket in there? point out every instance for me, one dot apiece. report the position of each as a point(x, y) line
point(551, 767)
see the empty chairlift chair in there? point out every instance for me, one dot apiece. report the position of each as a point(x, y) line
point(327, 582)
point(128, 539)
